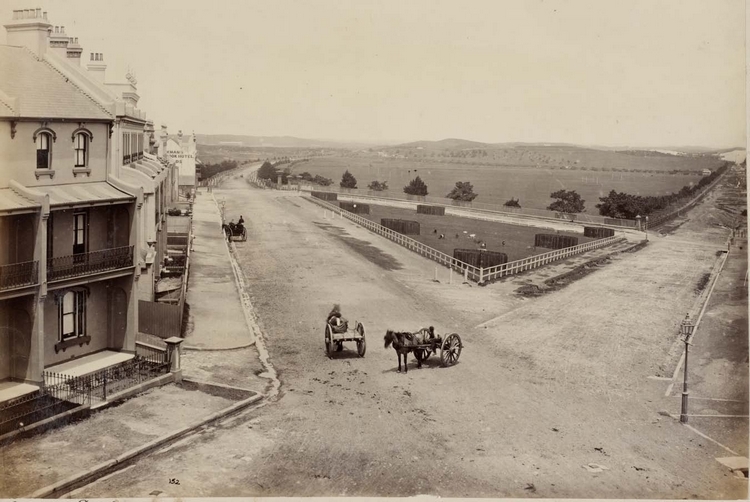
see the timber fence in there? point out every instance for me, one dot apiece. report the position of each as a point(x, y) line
point(470, 272)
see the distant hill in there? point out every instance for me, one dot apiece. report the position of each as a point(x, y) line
point(444, 144)
point(272, 141)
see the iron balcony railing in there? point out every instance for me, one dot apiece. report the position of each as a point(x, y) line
point(17, 275)
point(94, 262)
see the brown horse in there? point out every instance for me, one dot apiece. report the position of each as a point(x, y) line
point(403, 343)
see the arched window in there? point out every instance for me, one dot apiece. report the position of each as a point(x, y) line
point(43, 150)
point(81, 145)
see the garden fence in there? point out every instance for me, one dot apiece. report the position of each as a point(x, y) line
point(477, 274)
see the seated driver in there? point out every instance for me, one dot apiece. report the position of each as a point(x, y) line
point(336, 320)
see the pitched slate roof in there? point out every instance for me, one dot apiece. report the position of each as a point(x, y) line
point(41, 90)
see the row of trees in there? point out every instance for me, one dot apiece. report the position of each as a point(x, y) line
point(208, 170)
point(624, 205)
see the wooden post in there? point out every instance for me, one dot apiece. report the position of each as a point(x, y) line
point(450, 276)
point(466, 274)
point(436, 274)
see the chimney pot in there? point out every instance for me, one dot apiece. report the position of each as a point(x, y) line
point(62, 29)
point(38, 12)
point(45, 15)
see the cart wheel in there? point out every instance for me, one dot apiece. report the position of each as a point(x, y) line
point(329, 343)
point(425, 354)
point(361, 344)
point(450, 350)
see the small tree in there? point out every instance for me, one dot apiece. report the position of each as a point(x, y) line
point(416, 187)
point(568, 201)
point(378, 186)
point(348, 180)
point(463, 191)
point(512, 203)
point(267, 172)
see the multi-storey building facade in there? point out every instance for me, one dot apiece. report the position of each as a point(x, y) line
point(69, 229)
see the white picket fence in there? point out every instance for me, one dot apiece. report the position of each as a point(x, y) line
point(479, 275)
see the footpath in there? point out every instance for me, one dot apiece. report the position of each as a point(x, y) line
point(217, 319)
point(718, 360)
point(222, 374)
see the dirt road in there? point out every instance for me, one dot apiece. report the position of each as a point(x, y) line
point(553, 399)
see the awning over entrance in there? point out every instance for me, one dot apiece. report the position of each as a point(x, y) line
point(12, 203)
point(85, 194)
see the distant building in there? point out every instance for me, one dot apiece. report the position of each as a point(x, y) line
point(182, 152)
point(706, 172)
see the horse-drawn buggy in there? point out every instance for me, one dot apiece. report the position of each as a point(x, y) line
point(423, 343)
point(337, 331)
point(234, 231)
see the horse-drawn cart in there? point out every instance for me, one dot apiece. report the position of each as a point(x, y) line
point(235, 231)
point(423, 343)
point(449, 347)
point(336, 335)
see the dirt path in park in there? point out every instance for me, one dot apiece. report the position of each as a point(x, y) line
point(557, 383)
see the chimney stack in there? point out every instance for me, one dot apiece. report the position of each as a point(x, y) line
point(58, 41)
point(73, 52)
point(29, 28)
point(97, 66)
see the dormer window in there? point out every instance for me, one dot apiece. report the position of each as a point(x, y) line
point(81, 145)
point(43, 151)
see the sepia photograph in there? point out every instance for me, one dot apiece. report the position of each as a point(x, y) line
point(373, 248)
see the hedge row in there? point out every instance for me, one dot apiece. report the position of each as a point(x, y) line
point(354, 207)
point(325, 195)
point(480, 258)
point(401, 226)
point(554, 241)
point(598, 232)
point(437, 210)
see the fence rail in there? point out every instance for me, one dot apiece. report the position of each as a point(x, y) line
point(476, 206)
point(660, 219)
point(63, 267)
point(19, 274)
point(48, 401)
point(477, 274)
point(146, 365)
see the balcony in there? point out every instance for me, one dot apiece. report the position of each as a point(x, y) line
point(17, 275)
point(64, 267)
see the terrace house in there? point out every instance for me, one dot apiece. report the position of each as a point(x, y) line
point(69, 269)
point(129, 160)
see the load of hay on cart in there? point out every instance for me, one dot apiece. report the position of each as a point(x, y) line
point(338, 331)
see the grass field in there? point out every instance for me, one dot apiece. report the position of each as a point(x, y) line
point(519, 241)
point(496, 185)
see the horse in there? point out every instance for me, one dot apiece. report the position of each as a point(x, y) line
point(231, 229)
point(403, 343)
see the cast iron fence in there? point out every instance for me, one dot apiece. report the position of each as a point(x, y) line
point(19, 274)
point(48, 401)
point(63, 267)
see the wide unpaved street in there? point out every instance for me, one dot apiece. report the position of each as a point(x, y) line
point(552, 396)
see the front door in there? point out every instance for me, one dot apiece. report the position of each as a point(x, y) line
point(80, 236)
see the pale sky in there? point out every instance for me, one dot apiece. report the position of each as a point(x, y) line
point(639, 73)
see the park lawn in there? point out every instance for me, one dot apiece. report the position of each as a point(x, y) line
point(495, 184)
point(518, 240)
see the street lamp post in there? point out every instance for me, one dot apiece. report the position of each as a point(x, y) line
point(686, 330)
point(646, 228)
